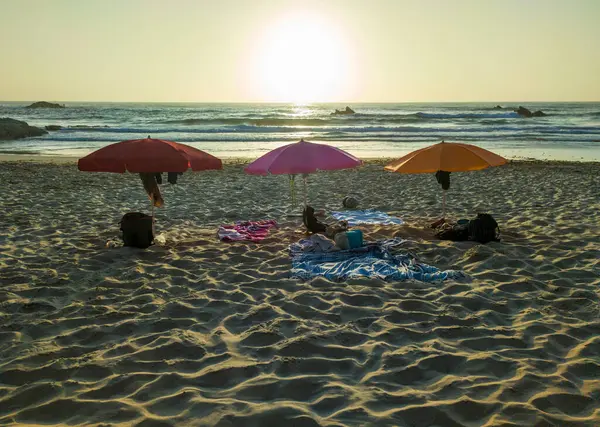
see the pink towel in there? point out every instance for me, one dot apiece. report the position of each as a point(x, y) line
point(254, 231)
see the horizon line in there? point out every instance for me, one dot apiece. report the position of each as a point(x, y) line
point(306, 103)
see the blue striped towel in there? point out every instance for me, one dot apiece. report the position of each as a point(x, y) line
point(373, 261)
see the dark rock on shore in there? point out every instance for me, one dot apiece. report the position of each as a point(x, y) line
point(524, 112)
point(15, 129)
point(44, 104)
point(53, 127)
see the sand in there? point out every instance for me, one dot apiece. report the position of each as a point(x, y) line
point(196, 332)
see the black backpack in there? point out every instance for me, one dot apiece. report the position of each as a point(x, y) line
point(137, 230)
point(484, 229)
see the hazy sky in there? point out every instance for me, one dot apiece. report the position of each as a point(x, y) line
point(310, 50)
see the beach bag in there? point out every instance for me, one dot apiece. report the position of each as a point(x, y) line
point(456, 233)
point(352, 239)
point(137, 230)
point(355, 238)
point(484, 229)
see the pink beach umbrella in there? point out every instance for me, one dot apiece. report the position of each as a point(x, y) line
point(302, 157)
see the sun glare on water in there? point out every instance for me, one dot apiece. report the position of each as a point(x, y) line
point(302, 58)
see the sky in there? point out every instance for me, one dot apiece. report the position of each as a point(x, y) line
point(300, 51)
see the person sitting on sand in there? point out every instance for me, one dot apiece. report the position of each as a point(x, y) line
point(315, 226)
point(311, 222)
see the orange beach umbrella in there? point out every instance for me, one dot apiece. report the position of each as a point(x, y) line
point(446, 157)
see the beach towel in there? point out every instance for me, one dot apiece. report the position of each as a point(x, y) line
point(253, 231)
point(368, 216)
point(374, 261)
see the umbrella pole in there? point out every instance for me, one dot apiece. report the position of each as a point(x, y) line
point(152, 212)
point(305, 199)
point(444, 204)
point(293, 190)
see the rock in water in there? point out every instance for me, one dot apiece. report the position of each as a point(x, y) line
point(15, 129)
point(348, 110)
point(524, 112)
point(44, 104)
point(53, 127)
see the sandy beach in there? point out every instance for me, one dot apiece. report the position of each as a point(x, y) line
point(193, 331)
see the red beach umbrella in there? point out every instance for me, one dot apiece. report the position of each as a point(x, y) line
point(147, 156)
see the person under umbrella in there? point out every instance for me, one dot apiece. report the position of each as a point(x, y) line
point(148, 157)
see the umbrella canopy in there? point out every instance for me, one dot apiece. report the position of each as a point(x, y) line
point(148, 155)
point(302, 157)
point(446, 156)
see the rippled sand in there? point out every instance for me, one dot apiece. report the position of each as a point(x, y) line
point(196, 332)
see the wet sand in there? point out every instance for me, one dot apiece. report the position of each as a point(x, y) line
point(193, 331)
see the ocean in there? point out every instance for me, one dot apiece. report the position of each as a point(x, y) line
point(570, 131)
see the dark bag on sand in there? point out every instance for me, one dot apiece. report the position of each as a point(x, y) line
point(456, 233)
point(484, 229)
point(137, 230)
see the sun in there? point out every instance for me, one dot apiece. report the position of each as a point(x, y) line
point(301, 58)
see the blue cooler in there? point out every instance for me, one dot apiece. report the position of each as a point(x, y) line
point(355, 238)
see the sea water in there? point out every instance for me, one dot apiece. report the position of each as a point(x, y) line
point(570, 131)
